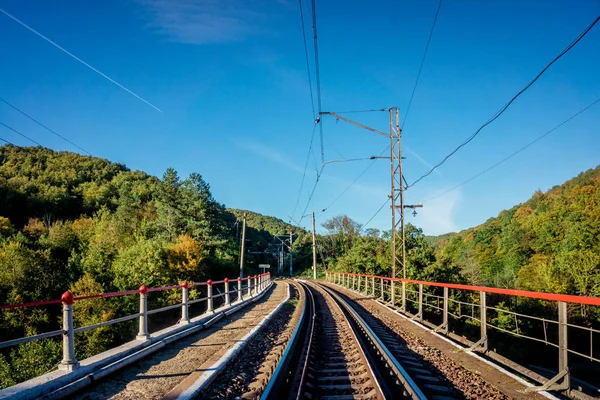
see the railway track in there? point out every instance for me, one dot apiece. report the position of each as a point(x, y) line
point(341, 357)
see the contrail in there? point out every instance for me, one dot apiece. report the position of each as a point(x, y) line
point(79, 59)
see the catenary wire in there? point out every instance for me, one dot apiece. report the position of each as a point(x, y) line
point(19, 133)
point(353, 182)
point(6, 141)
point(317, 74)
point(305, 168)
point(499, 112)
point(514, 153)
point(422, 63)
point(79, 59)
point(374, 215)
point(44, 126)
point(312, 192)
point(361, 111)
point(310, 85)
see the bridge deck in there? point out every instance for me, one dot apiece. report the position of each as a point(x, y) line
point(157, 374)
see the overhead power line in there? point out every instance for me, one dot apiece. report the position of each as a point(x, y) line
point(354, 181)
point(6, 141)
point(310, 197)
point(317, 74)
point(361, 111)
point(79, 59)
point(499, 112)
point(422, 62)
point(44, 126)
point(516, 152)
point(376, 213)
point(19, 133)
point(305, 168)
point(312, 100)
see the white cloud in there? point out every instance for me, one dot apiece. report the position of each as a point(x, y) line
point(437, 216)
point(204, 21)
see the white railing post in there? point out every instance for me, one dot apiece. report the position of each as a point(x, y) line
point(393, 292)
point(249, 286)
point(227, 302)
point(445, 318)
point(255, 284)
point(209, 296)
point(373, 278)
point(185, 318)
point(240, 293)
point(382, 290)
point(419, 316)
point(403, 296)
point(483, 315)
point(143, 321)
point(69, 361)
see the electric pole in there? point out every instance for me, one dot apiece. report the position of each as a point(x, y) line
point(397, 189)
point(243, 244)
point(314, 247)
point(291, 251)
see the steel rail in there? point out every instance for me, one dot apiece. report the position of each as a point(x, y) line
point(273, 388)
point(412, 389)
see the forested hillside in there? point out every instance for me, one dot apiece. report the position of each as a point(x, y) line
point(549, 243)
point(82, 223)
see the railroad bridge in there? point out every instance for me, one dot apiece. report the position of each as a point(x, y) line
point(349, 336)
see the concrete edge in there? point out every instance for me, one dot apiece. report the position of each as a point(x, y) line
point(211, 373)
point(57, 384)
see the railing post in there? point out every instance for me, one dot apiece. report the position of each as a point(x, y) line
point(69, 361)
point(419, 316)
point(240, 294)
point(563, 344)
point(373, 279)
point(249, 287)
point(403, 296)
point(482, 343)
point(185, 318)
point(227, 302)
point(445, 317)
point(563, 352)
point(255, 284)
point(393, 292)
point(483, 315)
point(209, 296)
point(143, 322)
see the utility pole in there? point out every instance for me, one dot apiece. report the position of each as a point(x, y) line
point(291, 251)
point(243, 244)
point(397, 189)
point(314, 247)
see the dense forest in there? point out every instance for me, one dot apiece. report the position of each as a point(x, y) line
point(72, 222)
point(550, 243)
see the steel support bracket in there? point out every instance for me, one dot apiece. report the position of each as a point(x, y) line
point(551, 384)
point(481, 344)
point(442, 328)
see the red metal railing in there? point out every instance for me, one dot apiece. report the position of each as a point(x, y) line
point(389, 290)
point(255, 285)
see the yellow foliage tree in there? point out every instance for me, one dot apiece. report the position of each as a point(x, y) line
point(186, 255)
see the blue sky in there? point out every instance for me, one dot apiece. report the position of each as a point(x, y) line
point(230, 79)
